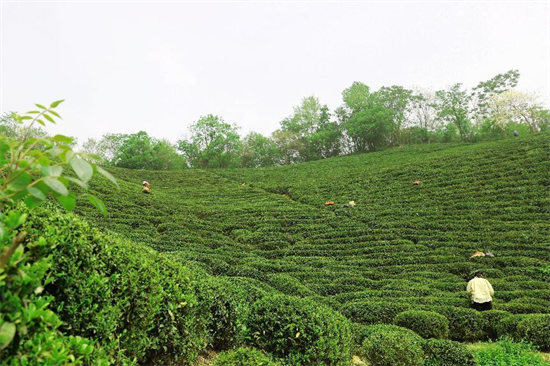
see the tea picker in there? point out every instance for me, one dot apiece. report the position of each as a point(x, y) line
point(146, 187)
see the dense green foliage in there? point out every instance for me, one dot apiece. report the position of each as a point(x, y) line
point(443, 352)
point(388, 345)
point(135, 303)
point(300, 331)
point(402, 247)
point(244, 357)
point(508, 352)
point(366, 121)
point(427, 324)
point(33, 167)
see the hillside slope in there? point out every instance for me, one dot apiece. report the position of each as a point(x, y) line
point(408, 243)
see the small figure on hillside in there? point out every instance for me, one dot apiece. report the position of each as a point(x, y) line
point(477, 254)
point(480, 291)
point(416, 183)
point(516, 133)
point(490, 254)
point(330, 203)
point(146, 187)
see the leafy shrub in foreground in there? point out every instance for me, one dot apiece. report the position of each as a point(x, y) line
point(32, 169)
point(391, 345)
point(136, 303)
point(508, 352)
point(359, 332)
point(427, 324)
point(224, 314)
point(492, 320)
point(244, 357)
point(464, 324)
point(444, 352)
point(300, 331)
point(535, 328)
point(508, 326)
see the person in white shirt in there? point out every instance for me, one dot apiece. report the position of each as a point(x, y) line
point(480, 291)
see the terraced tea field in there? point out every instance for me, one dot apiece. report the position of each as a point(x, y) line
point(402, 246)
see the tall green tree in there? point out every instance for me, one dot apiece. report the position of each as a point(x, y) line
point(370, 129)
point(315, 136)
point(289, 145)
point(453, 106)
point(106, 147)
point(486, 90)
point(259, 151)
point(213, 144)
point(400, 101)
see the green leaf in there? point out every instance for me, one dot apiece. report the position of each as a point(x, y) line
point(25, 117)
point(41, 122)
point(97, 203)
point(40, 106)
point(56, 185)
point(20, 181)
point(62, 139)
point(68, 202)
point(35, 192)
point(54, 113)
point(107, 175)
point(49, 118)
point(7, 332)
point(52, 171)
point(32, 202)
point(82, 168)
point(78, 182)
point(33, 112)
point(56, 103)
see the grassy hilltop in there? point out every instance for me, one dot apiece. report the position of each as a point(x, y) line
point(402, 247)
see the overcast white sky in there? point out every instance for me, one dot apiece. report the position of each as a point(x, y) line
point(158, 67)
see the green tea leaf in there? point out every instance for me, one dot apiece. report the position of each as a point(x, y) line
point(49, 118)
point(35, 192)
point(40, 106)
point(7, 332)
point(54, 113)
point(68, 202)
point(107, 175)
point(56, 103)
point(52, 171)
point(97, 203)
point(62, 139)
point(82, 168)
point(56, 185)
point(20, 181)
point(78, 182)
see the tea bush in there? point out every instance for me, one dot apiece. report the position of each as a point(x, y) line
point(300, 331)
point(464, 324)
point(244, 357)
point(31, 170)
point(492, 321)
point(535, 329)
point(508, 326)
point(390, 345)
point(135, 302)
point(427, 324)
point(224, 313)
point(444, 352)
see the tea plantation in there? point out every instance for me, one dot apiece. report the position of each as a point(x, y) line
point(401, 248)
